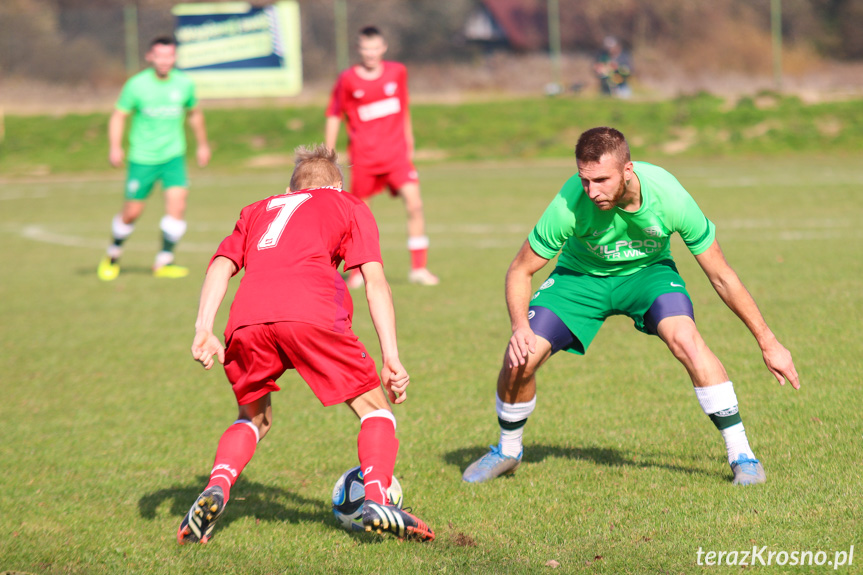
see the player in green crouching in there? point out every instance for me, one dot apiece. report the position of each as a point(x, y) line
point(612, 223)
point(158, 99)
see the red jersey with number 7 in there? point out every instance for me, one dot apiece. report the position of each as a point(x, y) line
point(291, 246)
point(375, 112)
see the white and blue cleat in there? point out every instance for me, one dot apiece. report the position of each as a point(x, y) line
point(747, 471)
point(492, 464)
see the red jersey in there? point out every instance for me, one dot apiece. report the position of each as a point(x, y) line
point(375, 112)
point(291, 246)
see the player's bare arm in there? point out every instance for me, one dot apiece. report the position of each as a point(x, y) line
point(199, 128)
point(331, 131)
point(409, 135)
point(206, 344)
point(379, 296)
point(116, 127)
point(518, 292)
point(735, 295)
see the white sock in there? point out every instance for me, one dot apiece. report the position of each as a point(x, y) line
point(163, 259)
point(173, 228)
point(720, 402)
point(736, 443)
point(121, 230)
point(511, 439)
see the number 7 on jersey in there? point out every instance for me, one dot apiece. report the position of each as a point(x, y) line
point(286, 205)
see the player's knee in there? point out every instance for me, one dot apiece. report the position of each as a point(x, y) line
point(513, 377)
point(685, 344)
point(414, 207)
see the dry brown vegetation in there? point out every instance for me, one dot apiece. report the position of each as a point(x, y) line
point(70, 51)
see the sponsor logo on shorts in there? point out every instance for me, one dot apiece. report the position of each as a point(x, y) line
point(390, 88)
point(536, 295)
point(531, 313)
point(133, 186)
point(413, 175)
point(368, 469)
point(676, 285)
point(547, 284)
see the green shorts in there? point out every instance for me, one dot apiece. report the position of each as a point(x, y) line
point(583, 302)
point(142, 177)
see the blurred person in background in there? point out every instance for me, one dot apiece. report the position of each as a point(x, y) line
point(159, 99)
point(372, 97)
point(613, 67)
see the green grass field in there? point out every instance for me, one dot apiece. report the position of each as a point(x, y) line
point(109, 428)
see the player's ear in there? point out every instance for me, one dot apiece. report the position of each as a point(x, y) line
point(338, 184)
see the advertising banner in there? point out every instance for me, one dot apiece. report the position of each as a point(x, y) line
point(235, 50)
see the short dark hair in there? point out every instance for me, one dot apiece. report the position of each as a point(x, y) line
point(371, 32)
point(163, 41)
point(596, 142)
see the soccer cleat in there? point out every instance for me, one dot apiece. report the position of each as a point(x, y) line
point(355, 280)
point(197, 525)
point(747, 471)
point(423, 277)
point(389, 518)
point(107, 270)
point(170, 271)
point(491, 465)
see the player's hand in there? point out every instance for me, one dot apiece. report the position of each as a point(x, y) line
point(779, 362)
point(116, 156)
point(395, 379)
point(522, 342)
point(205, 346)
point(203, 155)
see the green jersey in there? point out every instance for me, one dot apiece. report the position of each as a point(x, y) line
point(158, 108)
point(617, 242)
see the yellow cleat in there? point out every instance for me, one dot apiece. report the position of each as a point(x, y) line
point(108, 271)
point(171, 271)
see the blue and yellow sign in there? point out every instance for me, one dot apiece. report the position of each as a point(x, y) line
point(234, 50)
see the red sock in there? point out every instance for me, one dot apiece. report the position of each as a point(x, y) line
point(377, 447)
point(419, 258)
point(236, 448)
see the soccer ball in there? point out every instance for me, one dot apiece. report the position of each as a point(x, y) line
point(349, 494)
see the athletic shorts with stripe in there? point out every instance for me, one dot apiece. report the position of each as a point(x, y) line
point(583, 302)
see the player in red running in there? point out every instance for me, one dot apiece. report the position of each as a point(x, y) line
point(292, 310)
point(373, 99)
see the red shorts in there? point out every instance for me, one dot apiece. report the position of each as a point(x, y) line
point(335, 365)
point(366, 183)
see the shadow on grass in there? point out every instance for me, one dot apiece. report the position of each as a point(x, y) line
point(124, 270)
point(249, 499)
point(600, 455)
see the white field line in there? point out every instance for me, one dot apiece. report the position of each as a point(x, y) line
point(470, 236)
